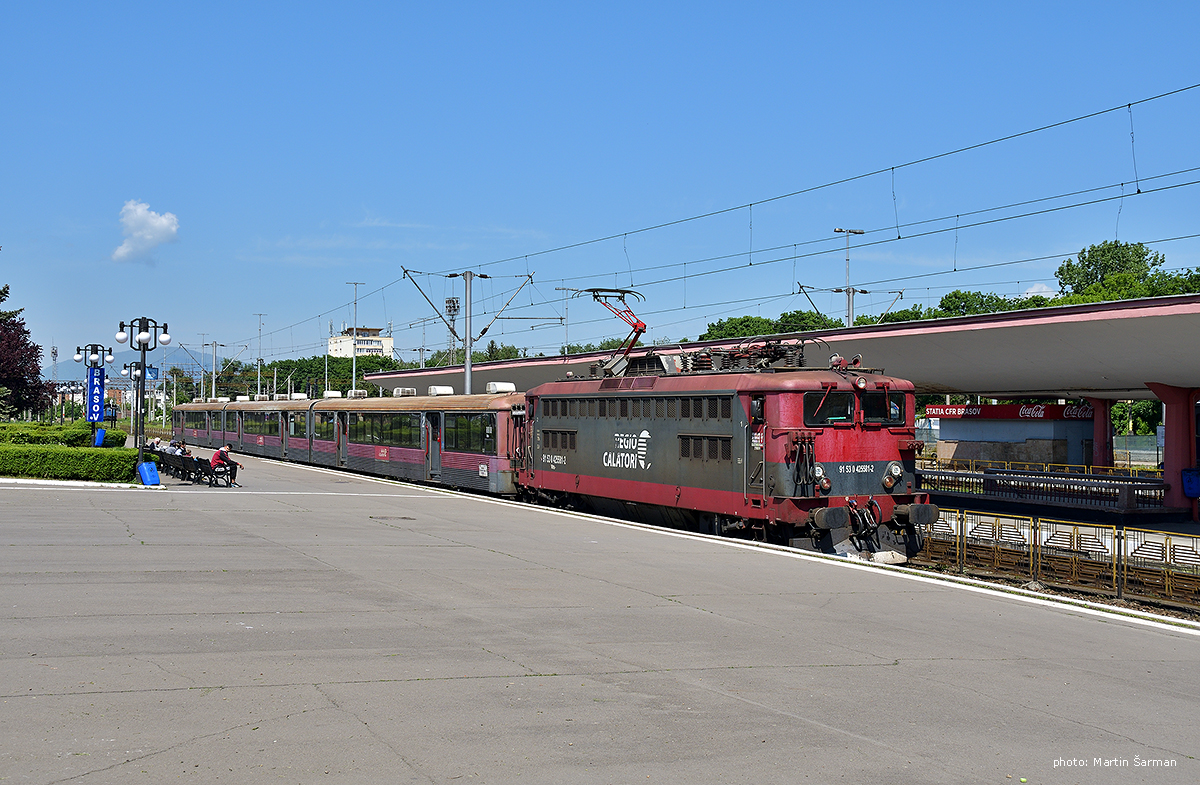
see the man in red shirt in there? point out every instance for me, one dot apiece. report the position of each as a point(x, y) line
point(221, 458)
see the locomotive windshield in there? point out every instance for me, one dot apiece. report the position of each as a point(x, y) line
point(829, 408)
point(885, 408)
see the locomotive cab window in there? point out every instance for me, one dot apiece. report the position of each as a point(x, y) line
point(829, 408)
point(886, 408)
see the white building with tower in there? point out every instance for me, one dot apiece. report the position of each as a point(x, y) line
point(370, 342)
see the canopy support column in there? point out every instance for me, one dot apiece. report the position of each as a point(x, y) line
point(1179, 449)
point(1102, 443)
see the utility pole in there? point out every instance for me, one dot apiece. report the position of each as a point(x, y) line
point(467, 276)
point(452, 310)
point(258, 363)
point(214, 382)
point(849, 290)
point(354, 331)
point(202, 345)
point(420, 350)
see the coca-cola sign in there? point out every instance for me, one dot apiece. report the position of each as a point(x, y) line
point(1012, 411)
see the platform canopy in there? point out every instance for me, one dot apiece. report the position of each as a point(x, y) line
point(1102, 350)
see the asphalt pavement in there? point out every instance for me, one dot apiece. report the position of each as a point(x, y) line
point(315, 626)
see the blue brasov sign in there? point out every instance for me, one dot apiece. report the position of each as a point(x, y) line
point(95, 395)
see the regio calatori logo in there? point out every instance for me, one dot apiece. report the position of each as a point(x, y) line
point(629, 451)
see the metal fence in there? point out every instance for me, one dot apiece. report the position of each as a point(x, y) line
point(1122, 492)
point(972, 465)
point(1138, 563)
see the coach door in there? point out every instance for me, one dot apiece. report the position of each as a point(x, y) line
point(433, 445)
point(343, 430)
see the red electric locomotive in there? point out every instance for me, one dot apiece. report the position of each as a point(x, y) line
point(747, 441)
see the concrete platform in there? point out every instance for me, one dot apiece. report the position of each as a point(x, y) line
point(319, 627)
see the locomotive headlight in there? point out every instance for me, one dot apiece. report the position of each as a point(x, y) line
point(892, 475)
point(825, 484)
point(818, 471)
point(860, 383)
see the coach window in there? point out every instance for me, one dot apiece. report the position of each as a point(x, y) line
point(324, 427)
point(829, 408)
point(406, 430)
point(886, 408)
point(471, 433)
point(296, 423)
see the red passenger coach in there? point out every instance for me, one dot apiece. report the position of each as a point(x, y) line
point(746, 442)
point(461, 441)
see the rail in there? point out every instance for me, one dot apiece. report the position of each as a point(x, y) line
point(1137, 563)
point(1101, 491)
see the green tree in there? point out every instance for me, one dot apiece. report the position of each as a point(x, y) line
point(607, 345)
point(1136, 417)
point(495, 351)
point(6, 315)
point(804, 321)
point(7, 410)
point(739, 327)
point(1097, 262)
point(961, 303)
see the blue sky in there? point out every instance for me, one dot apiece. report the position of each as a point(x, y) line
point(201, 165)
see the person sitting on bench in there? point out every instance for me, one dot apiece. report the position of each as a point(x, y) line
point(221, 458)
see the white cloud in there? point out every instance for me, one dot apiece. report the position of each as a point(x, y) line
point(144, 231)
point(1042, 289)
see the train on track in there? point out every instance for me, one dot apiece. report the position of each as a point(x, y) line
point(747, 442)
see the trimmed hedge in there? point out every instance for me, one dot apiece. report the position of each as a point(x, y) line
point(47, 462)
point(75, 435)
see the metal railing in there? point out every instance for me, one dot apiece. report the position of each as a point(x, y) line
point(1092, 490)
point(1141, 563)
point(973, 465)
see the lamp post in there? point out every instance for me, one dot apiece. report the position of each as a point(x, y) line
point(67, 392)
point(145, 335)
point(134, 372)
point(94, 355)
